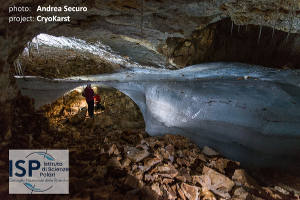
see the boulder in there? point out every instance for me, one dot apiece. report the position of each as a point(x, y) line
point(155, 187)
point(113, 149)
point(219, 163)
point(240, 194)
point(149, 162)
point(190, 192)
point(180, 192)
point(166, 170)
point(171, 192)
point(207, 195)
point(215, 181)
point(125, 163)
point(242, 178)
point(135, 154)
point(209, 151)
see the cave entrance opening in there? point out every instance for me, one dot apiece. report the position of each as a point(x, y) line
point(69, 113)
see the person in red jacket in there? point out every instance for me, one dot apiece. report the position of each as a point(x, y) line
point(88, 93)
point(98, 105)
point(97, 101)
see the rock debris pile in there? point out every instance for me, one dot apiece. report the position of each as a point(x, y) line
point(124, 162)
point(172, 167)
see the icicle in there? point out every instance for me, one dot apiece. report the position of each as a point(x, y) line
point(231, 27)
point(273, 28)
point(275, 21)
point(37, 44)
point(260, 29)
point(259, 35)
point(292, 16)
point(273, 31)
point(287, 36)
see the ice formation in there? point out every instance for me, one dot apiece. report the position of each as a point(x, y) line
point(248, 113)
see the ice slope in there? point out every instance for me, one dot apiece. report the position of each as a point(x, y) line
point(248, 113)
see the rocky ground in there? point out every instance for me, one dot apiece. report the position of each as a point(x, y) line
point(112, 157)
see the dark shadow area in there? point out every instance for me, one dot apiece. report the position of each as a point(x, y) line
point(246, 44)
point(224, 41)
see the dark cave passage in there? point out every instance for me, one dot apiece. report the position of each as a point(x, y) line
point(247, 45)
point(225, 41)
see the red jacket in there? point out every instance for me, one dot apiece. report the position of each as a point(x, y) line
point(88, 93)
point(97, 98)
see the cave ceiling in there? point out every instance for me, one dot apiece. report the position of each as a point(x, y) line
point(146, 30)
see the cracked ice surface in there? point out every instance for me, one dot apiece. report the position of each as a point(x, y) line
point(248, 113)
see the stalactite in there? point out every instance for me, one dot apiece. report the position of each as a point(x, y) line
point(273, 31)
point(259, 35)
point(238, 28)
point(246, 27)
point(292, 15)
point(232, 24)
point(260, 29)
point(276, 17)
point(288, 34)
point(273, 28)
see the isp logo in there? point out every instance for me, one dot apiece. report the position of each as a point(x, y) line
point(38, 171)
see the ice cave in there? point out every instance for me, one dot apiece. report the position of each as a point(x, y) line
point(197, 99)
